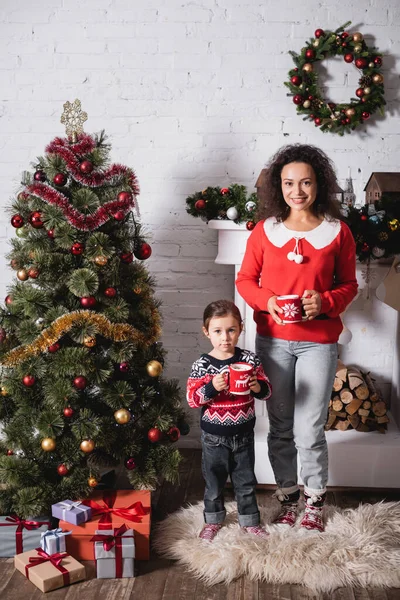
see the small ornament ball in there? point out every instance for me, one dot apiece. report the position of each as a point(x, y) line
point(10, 452)
point(124, 196)
point(17, 221)
point(77, 249)
point(174, 434)
point(250, 206)
point(87, 446)
point(48, 444)
point(8, 300)
point(92, 482)
point(36, 219)
point(39, 175)
point(28, 380)
point(319, 33)
point(68, 411)
point(88, 301)
point(89, 341)
point(119, 215)
point(358, 37)
point(101, 260)
point(80, 382)
point(110, 292)
point(122, 416)
point(308, 68)
point(348, 57)
point(143, 252)
point(232, 213)
point(33, 273)
point(86, 167)
point(22, 275)
point(62, 470)
point(200, 204)
point(154, 435)
point(296, 80)
point(60, 179)
point(3, 391)
point(297, 99)
point(250, 225)
point(130, 463)
point(126, 257)
point(154, 368)
point(54, 348)
point(124, 367)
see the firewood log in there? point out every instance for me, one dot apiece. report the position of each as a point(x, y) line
point(342, 425)
point(367, 404)
point(337, 384)
point(362, 427)
point(355, 378)
point(362, 391)
point(354, 420)
point(341, 370)
point(346, 396)
point(362, 412)
point(379, 409)
point(337, 404)
point(342, 414)
point(374, 393)
point(353, 406)
point(383, 419)
point(330, 422)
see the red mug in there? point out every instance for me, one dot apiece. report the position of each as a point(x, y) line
point(239, 376)
point(292, 308)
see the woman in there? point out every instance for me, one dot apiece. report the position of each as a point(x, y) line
point(299, 246)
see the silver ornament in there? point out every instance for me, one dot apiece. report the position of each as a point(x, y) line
point(232, 213)
point(250, 205)
point(39, 322)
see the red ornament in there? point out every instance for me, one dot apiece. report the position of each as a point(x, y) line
point(174, 434)
point(365, 115)
point(8, 300)
point(250, 225)
point(39, 176)
point(62, 470)
point(311, 97)
point(344, 44)
point(110, 292)
point(224, 191)
point(317, 121)
point(17, 221)
point(54, 348)
point(10, 452)
point(77, 249)
point(361, 63)
point(200, 205)
point(348, 120)
point(348, 57)
point(378, 61)
point(143, 252)
point(319, 33)
point(88, 301)
point(33, 273)
point(343, 121)
point(119, 215)
point(310, 53)
point(86, 167)
point(50, 233)
point(80, 382)
point(297, 99)
point(126, 257)
point(124, 196)
point(60, 179)
point(68, 411)
point(364, 218)
point(154, 435)
point(360, 92)
point(36, 220)
point(344, 35)
point(365, 247)
point(130, 463)
point(296, 80)
point(29, 380)
point(124, 367)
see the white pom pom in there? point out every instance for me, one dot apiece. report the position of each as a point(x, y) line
point(298, 259)
point(291, 255)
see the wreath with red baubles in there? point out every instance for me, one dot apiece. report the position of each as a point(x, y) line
point(303, 81)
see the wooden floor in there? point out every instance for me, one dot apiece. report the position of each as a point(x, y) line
point(160, 579)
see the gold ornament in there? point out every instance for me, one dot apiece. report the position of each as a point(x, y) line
point(371, 65)
point(73, 119)
point(367, 91)
point(154, 368)
point(101, 260)
point(92, 482)
point(3, 391)
point(22, 275)
point(137, 290)
point(350, 112)
point(357, 48)
point(394, 224)
point(308, 68)
point(48, 444)
point(87, 446)
point(89, 341)
point(358, 37)
point(377, 78)
point(316, 43)
point(122, 416)
point(306, 104)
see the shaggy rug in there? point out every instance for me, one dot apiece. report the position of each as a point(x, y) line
point(360, 547)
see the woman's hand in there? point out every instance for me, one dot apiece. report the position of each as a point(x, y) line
point(274, 310)
point(254, 384)
point(311, 303)
point(220, 382)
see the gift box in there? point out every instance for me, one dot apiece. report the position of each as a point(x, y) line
point(112, 509)
point(72, 512)
point(114, 552)
point(18, 535)
point(49, 571)
point(53, 540)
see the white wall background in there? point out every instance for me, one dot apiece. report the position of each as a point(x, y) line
point(191, 94)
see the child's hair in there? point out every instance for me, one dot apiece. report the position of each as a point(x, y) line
point(221, 308)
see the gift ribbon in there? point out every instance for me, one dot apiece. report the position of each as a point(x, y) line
point(55, 560)
point(21, 524)
point(57, 533)
point(66, 506)
point(133, 513)
point(109, 541)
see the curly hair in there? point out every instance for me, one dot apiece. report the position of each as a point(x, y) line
point(270, 198)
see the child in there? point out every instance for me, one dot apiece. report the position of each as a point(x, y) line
point(227, 421)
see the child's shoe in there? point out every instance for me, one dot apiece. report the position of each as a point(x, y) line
point(289, 509)
point(209, 531)
point(313, 518)
point(256, 530)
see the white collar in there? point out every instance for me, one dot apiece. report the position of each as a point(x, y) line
point(320, 237)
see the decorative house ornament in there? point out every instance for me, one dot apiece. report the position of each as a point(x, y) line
point(381, 183)
point(304, 85)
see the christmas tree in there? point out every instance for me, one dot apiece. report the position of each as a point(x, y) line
point(81, 383)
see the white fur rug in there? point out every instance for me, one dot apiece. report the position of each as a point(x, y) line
point(360, 547)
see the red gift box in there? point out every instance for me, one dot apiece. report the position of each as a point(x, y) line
point(111, 509)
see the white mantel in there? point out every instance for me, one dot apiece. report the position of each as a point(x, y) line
point(355, 459)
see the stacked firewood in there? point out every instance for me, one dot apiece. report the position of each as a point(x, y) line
point(356, 403)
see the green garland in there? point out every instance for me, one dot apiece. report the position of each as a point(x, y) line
point(223, 203)
point(303, 81)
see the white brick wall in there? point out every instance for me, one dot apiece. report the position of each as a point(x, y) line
point(191, 94)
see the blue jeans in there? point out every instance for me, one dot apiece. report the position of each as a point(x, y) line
point(301, 375)
point(233, 456)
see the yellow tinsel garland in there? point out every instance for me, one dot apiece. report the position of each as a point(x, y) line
point(119, 332)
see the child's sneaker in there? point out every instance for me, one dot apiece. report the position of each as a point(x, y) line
point(288, 515)
point(256, 530)
point(312, 519)
point(209, 531)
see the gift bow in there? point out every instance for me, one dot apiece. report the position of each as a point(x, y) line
point(133, 513)
point(57, 533)
point(69, 506)
point(21, 524)
point(55, 560)
point(110, 540)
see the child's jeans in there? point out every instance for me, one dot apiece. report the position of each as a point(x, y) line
point(234, 456)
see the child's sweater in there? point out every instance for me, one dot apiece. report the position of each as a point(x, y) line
point(222, 413)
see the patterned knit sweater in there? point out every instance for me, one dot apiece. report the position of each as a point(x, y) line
point(223, 413)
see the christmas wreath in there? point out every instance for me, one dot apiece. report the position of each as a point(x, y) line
point(303, 81)
point(224, 203)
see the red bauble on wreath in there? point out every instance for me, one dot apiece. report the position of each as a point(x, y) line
point(17, 221)
point(124, 196)
point(154, 435)
point(86, 167)
point(28, 380)
point(311, 103)
point(143, 251)
point(39, 175)
point(62, 470)
point(126, 257)
point(54, 348)
point(110, 292)
point(80, 382)
point(60, 179)
point(77, 249)
point(36, 219)
point(200, 204)
point(68, 411)
point(88, 301)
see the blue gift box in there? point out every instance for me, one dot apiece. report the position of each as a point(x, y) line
point(20, 535)
point(72, 512)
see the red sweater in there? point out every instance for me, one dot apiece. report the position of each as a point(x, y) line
point(329, 261)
